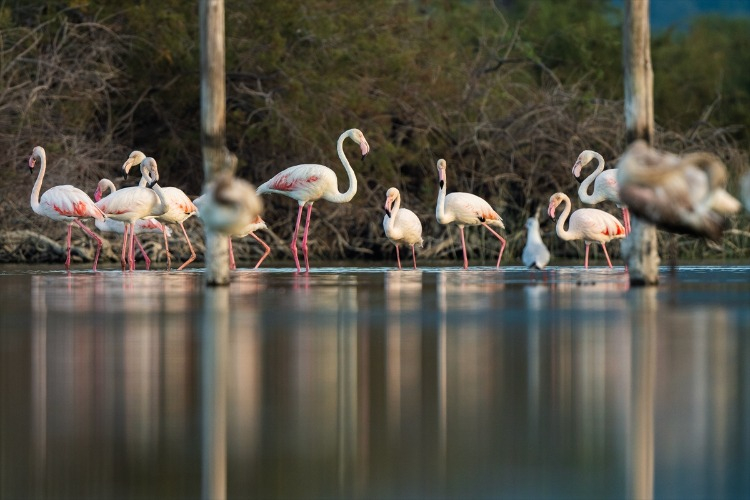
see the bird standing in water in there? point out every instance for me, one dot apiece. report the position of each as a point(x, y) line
point(401, 225)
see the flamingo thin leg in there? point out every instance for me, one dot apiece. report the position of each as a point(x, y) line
point(166, 247)
point(132, 246)
point(586, 259)
point(502, 240)
point(265, 254)
point(143, 252)
point(97, 238)
point(190, 245)
point(293, 245)
point(232, 263)
point(606, 255)
point(124, 246)
point(463, 245)
point(70, 232)
point(414, 256)
point(304, 236)
point(398, 258)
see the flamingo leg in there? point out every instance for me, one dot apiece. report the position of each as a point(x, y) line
point(132, 246)
point(166, 247)
point(190, 245)
point(70, 233)
point(398, 258)
point(143, 252)
point(232, 263)
point(502, 240)
point(265, 254)
point(124, 246)
point(606, 255)
point(293, 245)
point(304, 236)
point(414, 256)
point(586, 259)
point(97, 238)
point(463, 245)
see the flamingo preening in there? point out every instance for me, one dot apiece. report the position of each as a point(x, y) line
point(680, 194)
point(401, 225)
point(115, 226)
point(587, 224)
point(465, 209)
point(181, 208)
point(535, 252)
point(133, 203)
point(308, 183)
point(605, 184)
point(63, 203)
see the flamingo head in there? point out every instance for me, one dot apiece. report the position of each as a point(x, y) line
point(357, 136)
point(583, 159)
point(441, 165)
point(98, 194)
point(135, 158)
point(38, 152)
point(390, 196)
point(554, 201)
point(150, 171)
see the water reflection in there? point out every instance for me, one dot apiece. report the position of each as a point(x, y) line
point(429, 383)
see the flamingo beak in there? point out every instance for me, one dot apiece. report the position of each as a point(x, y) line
point(364, 147)
point(551, 210)
point(32, 162)
point(387, 207)
point(97, 194)
point(126, 168)
point(441, 177)
point(577, 170)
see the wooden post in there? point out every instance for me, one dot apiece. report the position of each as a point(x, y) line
point(640, 247)
point(216, 157)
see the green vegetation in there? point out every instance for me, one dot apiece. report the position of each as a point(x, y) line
point(508, 96)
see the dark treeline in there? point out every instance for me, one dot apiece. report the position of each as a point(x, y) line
point(508, 92)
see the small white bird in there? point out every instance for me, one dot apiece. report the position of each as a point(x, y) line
point(535, 253)
point(401, 225)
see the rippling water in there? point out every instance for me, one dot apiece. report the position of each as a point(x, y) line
point(375, 383)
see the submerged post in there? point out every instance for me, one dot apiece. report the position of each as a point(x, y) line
point(640, 247)
point(216, 157)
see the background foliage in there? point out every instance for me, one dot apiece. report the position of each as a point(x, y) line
point(509, 93)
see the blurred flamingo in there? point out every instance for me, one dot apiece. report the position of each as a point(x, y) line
point(308, 183)
point(605, 184)
point(465, 209)
point(401, 225)
point(535, 253)
point(587, 224)
point(63, 203)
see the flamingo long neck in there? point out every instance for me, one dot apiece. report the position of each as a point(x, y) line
point(583, 189)
point(560, 227)
point(440, 207)
point(108, 184)
point(349, 194)
point(394, 210)
point(38, 184)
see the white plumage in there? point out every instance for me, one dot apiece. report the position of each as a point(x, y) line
point(401, 225)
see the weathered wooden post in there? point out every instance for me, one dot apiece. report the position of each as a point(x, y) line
point(641, 246)
point(216, 157)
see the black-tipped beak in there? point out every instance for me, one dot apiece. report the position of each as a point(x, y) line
point(152, 183)
point(387, 212)
point(442, 183)
point(31, 170)
point(124, 174)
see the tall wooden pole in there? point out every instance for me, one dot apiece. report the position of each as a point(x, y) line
point(216, 156)
point(641, 246)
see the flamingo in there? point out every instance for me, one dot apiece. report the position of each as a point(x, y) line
point(64, 203)
point(231, 207)
point(115, 226)
point(133, 203)
point(605, 184)
point(401, 225)
point(535, 253)
point(745, 190)
point(465, 209)
point(587, 224)
point(308, 183)
point(181, 208)
point(680, 194)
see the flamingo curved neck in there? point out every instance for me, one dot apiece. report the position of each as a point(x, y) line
point(584, 187)
point(349, 193)
point(394, 211)
point(38, 183)
point(440, 207)
point(108, 184)
point(560, 227)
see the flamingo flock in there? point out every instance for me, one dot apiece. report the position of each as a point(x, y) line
point(684, 194)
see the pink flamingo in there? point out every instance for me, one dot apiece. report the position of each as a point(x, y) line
point(466, 209)
point(606, 187)
point(181, 208)
point(231, 207)
point(63, 203)
point(309, 183)
point(401, 225)
point(115, 226)
point(133, 203)
point(587, 224)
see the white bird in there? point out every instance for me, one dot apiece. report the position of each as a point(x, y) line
point(535, 252)
point(401, 225)
point(64, 203)
point(745, 190)
point(309, 183)
point(679, 194)
point(115, 226)
point(605, 184)
point(181, 208)
point(587, 224)
point(133, 203)
point(465, 209)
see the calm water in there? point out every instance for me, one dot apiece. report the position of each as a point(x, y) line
point(374, 383)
